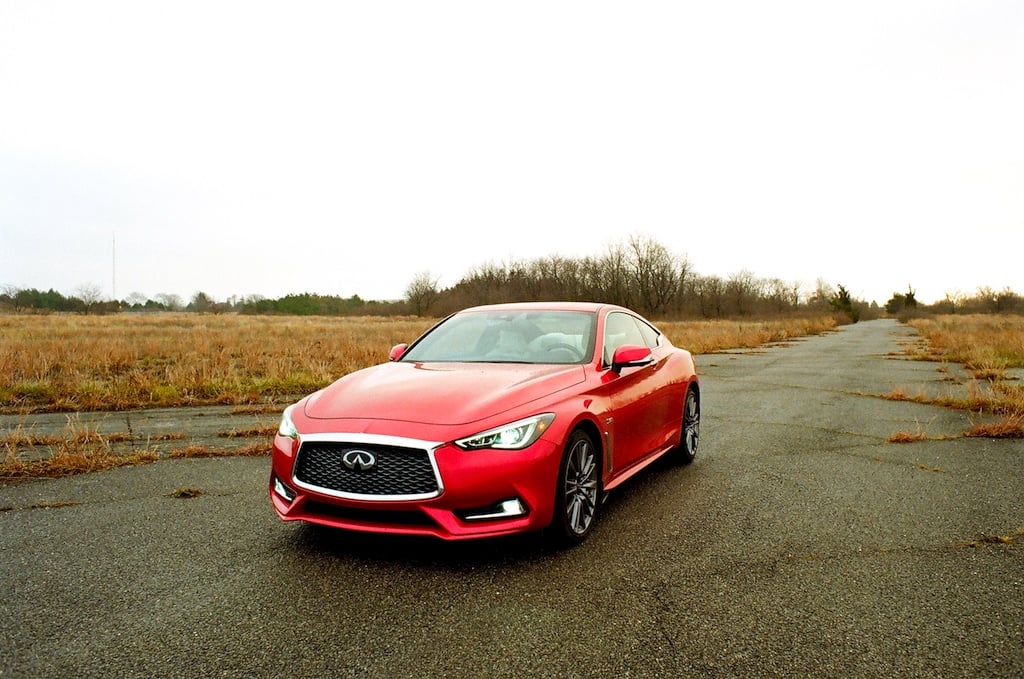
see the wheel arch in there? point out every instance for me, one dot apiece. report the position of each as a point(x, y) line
point(695, 386)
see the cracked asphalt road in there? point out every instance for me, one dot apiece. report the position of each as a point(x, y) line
point(798, 543)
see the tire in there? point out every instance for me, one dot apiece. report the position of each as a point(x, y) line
point(578, 493)
point(690, 436)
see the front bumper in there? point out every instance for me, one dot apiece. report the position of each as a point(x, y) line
point(480, 493)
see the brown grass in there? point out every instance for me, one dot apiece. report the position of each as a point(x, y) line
point(907, 437)
point(974, 402)
point(706, 337)
point(66, 363)
point(74, 436)
point(77, 449)
point(267, 431)
point(987, 346)
point(76, 454)
point(256, 409)
point(196, 451)
point(986, 539)
point(53, 363)
point(80, 451)
point(1009, 428)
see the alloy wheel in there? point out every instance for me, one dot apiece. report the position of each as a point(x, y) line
point(691, 427)
point(580, 485)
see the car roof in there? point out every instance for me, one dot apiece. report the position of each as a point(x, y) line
point(591, 307)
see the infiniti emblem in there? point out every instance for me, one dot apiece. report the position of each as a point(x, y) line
point(359, 460)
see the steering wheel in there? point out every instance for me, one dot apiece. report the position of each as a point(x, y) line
point(575, 353)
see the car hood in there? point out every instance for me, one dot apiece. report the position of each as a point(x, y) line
point(439, 393)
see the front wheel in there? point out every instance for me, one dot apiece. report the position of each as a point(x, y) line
point(578, 491)
point(691, 428)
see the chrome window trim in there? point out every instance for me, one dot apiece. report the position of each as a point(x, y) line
point(373, 439)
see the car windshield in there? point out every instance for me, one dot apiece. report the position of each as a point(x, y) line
point(509, 337)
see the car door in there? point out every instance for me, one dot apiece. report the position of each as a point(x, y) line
point(638, 405)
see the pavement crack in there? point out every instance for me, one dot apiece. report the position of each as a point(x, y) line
point(39, 505)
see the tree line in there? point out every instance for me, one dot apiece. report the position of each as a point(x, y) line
point(639, 273)
point(304, 304)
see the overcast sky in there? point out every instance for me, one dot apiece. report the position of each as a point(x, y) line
point(340, 148)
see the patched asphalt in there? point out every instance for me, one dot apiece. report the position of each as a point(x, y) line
point(799, 542)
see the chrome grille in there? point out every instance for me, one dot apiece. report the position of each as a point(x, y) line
point(398, 471)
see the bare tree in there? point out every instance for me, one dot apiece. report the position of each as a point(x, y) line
point(823, 292)
point(710, 291)
point(742, 289)
point(954, 301)
point(90, 294)
point(657, 273)
point(782, 295)
point(569, 275)
point(558, 278)
point(422, 292)
point(613, 271)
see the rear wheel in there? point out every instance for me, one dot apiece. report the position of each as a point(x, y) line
point(578, 490)
point(691, 428)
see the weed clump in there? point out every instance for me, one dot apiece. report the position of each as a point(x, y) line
point(80, 449)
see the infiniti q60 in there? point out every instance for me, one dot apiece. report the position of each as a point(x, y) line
point(500, 419)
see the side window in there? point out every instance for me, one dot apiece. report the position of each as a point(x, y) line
point(652, 338)
point(619, 329)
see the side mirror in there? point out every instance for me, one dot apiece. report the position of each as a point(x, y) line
point(629, 356)
point(397, 351)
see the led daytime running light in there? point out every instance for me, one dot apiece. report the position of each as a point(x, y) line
point(513, 436)
point(287, 427)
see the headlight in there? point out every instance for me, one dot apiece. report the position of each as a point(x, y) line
point(287, 427)
point(514, 436)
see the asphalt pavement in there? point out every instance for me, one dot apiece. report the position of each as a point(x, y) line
point(798, 543)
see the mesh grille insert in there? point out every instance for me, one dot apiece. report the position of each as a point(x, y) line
point(396, 471)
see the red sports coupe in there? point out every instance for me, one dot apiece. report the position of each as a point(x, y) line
point(500, 419)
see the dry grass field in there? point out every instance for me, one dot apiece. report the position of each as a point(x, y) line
point(986, 345)
point(991, 348)
point(69, 363)
point(72, 363)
